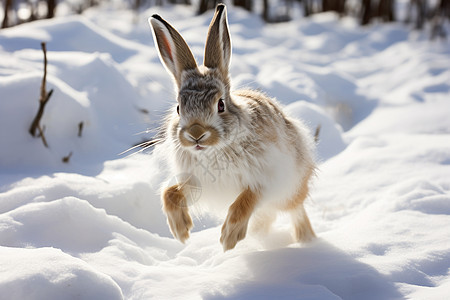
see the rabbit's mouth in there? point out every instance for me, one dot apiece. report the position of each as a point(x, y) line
point(198, 147)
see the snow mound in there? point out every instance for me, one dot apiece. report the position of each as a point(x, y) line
point(73, 33)
point(48, 273)
point(330, 141)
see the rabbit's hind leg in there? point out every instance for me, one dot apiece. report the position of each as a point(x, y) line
point(303, 231)
point(262, 220)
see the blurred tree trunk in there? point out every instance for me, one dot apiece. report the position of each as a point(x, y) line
point(246, 4)
point(136, 7)
point(265, 14)
point(8, 4)
point(205, 5)
point(289, 9)
point(441, 12)
point(282, 13)
point(385, 10)
point(366, 12)
point(307, 7)
point(32, 6)
point(51, 5)
point(444, 8)
point(420, 7)
point(188, 2)
point(333, 5)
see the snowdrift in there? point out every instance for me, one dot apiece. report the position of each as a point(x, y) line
point(93, 228)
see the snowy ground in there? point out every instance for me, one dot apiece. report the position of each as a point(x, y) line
point(93, 228)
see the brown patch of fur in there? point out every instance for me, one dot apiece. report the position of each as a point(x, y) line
point(243, 207)
point(173, 198)
point(303, 230)
point(196, 130)
point(265, 114)
point(234, 228)
point(252, 94)
point(175, 207)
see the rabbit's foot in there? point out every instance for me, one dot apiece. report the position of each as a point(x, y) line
point(303, 231)
point(234, 228)
point(232, 232)
point(180, 223)
point(175, 207)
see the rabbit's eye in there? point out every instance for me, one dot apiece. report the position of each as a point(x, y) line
point(221, 106)
point(178, 109)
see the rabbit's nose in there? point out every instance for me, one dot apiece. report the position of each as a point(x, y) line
point(196, 132)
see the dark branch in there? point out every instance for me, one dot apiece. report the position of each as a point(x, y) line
point(44, 97)
point(80, 129)
point(42, 136)
point(317, 133)
point(66, 159)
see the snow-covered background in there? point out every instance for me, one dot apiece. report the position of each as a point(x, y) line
point(93, 228)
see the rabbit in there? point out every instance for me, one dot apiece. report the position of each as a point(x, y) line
point(238, 147)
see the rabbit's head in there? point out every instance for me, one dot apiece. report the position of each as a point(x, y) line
point(206, 114)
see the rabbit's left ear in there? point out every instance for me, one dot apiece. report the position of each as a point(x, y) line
point(173, 50)
point(218, 42)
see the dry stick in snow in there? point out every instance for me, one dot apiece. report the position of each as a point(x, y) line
point(80, 129)
point(66, 159)
point(42, 136)
point(317, 133)
point(35, 126)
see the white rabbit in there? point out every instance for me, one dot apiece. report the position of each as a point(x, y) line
point(239, 147)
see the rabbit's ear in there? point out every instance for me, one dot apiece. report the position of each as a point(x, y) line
point(218, 42)
point(173, 50)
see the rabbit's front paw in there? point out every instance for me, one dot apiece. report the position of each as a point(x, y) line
point(234, 228)
point(176, 209)
point(232, 232)
point(180, 223)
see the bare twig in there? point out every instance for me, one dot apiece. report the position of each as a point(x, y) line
point(317, 133)
point(66, 159)
point(45, 96)
point(80, 128)
point(42, 136)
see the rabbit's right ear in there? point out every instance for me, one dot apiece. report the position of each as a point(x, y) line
point(218, 42)
point(173, 50)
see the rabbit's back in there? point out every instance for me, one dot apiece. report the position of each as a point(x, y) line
point(270, 125)
point(284, 146)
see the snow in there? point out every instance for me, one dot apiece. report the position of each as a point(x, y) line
point(93, 228)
